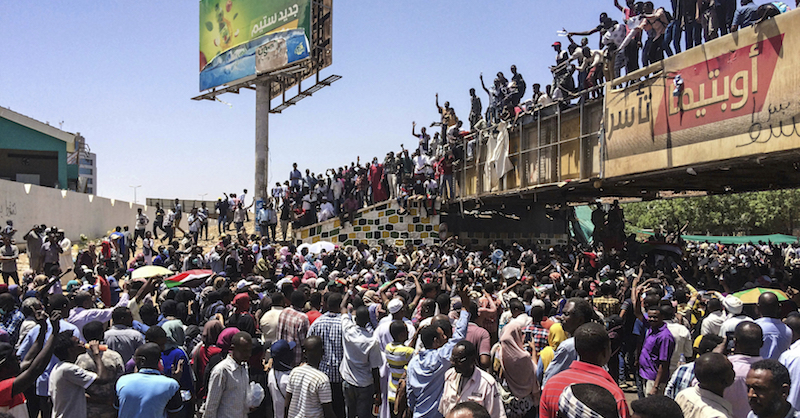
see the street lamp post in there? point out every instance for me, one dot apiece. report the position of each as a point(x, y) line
point(134, 192)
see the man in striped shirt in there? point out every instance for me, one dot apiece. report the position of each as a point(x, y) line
point(594, 350)
point(397, 356)
point(329, 328)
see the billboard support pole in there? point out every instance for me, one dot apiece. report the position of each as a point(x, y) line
point(262, 139)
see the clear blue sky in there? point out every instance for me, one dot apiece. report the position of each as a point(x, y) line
point(122, 74)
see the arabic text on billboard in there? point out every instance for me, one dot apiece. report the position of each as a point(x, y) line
point(736, 96)
point(240, 38)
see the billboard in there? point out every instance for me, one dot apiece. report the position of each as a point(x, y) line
point(242, 38)
point(733, 97)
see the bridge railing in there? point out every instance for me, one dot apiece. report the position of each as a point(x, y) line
point(551, 145)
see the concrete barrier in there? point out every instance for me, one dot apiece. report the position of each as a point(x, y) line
point(75, 213)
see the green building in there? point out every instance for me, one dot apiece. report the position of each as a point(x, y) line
point(37, 153)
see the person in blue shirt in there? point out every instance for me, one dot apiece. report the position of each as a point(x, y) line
point(427, 369)
point(745, 16)
point(38, 399)
point(148, 393)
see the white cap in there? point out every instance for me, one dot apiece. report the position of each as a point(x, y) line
point(395, 305)
point(732, 304)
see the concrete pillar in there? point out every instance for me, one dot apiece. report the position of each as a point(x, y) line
point(262, 140)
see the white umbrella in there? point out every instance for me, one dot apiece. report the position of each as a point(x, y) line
point(318, 247)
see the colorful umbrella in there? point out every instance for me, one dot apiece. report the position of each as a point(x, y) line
point(190, 278)
point(750, 296)
point(146, 272)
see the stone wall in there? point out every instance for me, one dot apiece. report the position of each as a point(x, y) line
point(375, 225)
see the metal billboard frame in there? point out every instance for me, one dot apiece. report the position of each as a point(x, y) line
point(283, 80)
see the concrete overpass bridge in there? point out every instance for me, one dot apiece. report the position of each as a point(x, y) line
point(719, 118)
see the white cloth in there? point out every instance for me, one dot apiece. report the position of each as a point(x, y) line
point(498, 163)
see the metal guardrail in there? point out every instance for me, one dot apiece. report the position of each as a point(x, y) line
point(548, 145)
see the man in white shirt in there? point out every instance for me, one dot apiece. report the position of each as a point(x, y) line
point(422, 164)
point(714, 373)
point(715, 317)
point(141, 223)
point(68, 382)
point(361, 365)
point(229, 382)
point(466, 382)
point(682, 336)
point(733, 306)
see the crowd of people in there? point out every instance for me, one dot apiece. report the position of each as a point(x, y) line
point(512, 330)
point(643, 34)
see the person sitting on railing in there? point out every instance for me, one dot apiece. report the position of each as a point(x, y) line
point(326, 210)
point(455, 137)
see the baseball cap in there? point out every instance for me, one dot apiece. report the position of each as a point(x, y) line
point(556, 43)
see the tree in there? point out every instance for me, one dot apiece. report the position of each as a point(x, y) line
point(756, 213)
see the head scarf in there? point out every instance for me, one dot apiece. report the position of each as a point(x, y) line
point(242, 302)
point(211, 332)
point(555, 337)
point(175, 333)
point(225, 339)
point(105, 249)
point(518, 367)
point(208, 349)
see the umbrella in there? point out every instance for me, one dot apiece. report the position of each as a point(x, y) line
point(318, 247)
point(304, 245)
point(750, 296)
point(189, 278)
point(150, 271)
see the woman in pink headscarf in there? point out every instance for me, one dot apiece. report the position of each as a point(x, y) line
point(519, 372)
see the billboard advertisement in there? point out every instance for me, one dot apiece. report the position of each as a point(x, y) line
point(733, 97)
point(242, 38)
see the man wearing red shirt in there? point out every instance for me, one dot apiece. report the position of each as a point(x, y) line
point(594, 350)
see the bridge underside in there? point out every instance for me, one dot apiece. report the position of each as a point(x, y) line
point(765, 172)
